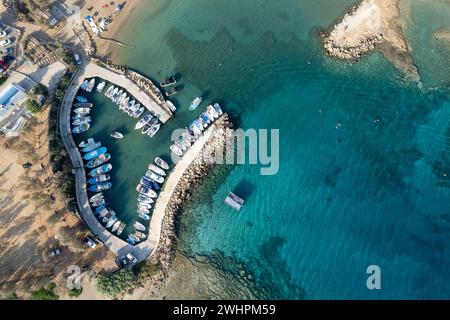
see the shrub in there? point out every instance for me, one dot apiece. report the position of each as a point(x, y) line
point(3, 79)
point(45, 293)
point(40, 89)
point(115, 283)
point(75, 293)
point(146, 270)
point(33, 106)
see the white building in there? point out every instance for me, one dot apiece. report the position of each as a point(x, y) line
point(12, 96)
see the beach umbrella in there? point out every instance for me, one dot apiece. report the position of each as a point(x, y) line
point(88, 18)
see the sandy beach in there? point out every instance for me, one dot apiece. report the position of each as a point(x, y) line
point(373, 25)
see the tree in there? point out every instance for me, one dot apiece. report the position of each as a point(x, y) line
point(45, 293)
point(33, 106)
point(115, 283)
point(40, 89)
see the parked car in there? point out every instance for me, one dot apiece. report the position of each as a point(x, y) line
point(55, 252)
point(123, 261)
point(27, 165)
point(3, 33)
point(77, 59)
point(91, 243)
point(5, 42)
point(131, 258)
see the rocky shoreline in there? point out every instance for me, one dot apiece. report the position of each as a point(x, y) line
point(191, 178)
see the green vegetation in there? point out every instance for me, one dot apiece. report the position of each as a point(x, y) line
point(146, 270)
point(115, 283)
point(12, 296)
point(75, 293)
point(3, 79)
point(40, 89)
point(33, 106)
point(46, 293)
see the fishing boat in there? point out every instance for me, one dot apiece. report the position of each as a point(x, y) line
point(82, 110)
point(195, 103)
point(161, 163)
point(81, 99)
point(211, 110)
point(121, 228)
point(100, 178)
point(218, 109)
point(101, 159)
point(116, 226)
point(176, 150)
point(142, 122)
point(87, 142)
point(95, 153)
point(90, 85)
point(100, 170)
point(101, 86)
point(155, 177)
point(145, 199)
point(83, 105)
point(168, 82)
point(82, 120)
point(117, 135)
point(139, 226)
point(100, 187)
point(171, 106)
point(84, 85)
point(96, 197)
point(109, 91)
point(140, 235)
point(153, 130)
point(146, 182)
point(91, 147)
point(146, 191)
point(98, 203)
point(144, 216)
point(81, 128)
point(172, 91)
point(156, 169)
point(111, 221)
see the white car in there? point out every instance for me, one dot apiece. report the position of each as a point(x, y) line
point(5, 42)
point(3, 33)
point(91, 243)
point(131, 258)
point(77, 59)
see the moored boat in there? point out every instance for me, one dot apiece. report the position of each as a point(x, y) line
point(95, 153)
point(153, 130)
point(81, 128)
point(100, 187)
point(145, 181)
point(139, 226)
point(98, 203)
point(100, 170)
point(117, 135)
point(92, 147)
point(101, 159)
point(161, 163)
point(101, 86)
point(87, 142)
point(142, 122)
point(168, 82)
point(144, 205)
point(218, 109)
point(171, 106)
point(146, 199)
point(81, 99)
point(91, 85)
point(81, 120)
point(144, 216)
point(140, 235)
point(113, 93)
point(82, 110)
point(111, 221)
point(134, 238)
point(172, 91)
point(116, 226)
point(156, 169)
point(96, 197)
point(83, 105)
point(153, 176)
point(100, 178)
point(146, 191)
point(212, 111)
point(176, 150)
point(121, 228)
point(195, 103)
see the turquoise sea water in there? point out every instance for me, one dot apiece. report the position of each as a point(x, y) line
point(364, 158)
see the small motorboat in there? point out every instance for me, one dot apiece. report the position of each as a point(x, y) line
point(90, 85)
point(100, 178)
point(176, 150)
point(109, 91)
point(101, 159)
point(100, 187)
point(139, 226)
point(153, 130)
point(117, 135)
point(156, 169)
point(121, 228)
point(144, 205)
point(132, 239)
point(101, 86)
point(149, 183)
point(145, 199)
point(218, 109)
point(168, 82)
point(95, 153)
point(84, 85)
point(111, 221)
point(121, 98)
point(96, 197)
point(195, 103)
point(87, 142)
point(171, 106)
point(81, 120)
point(172, 91)
point(100, 170)
point(212, 112)
point(143, 210)
point(161, 163)
point(153, 176)
point(146, 191)
point(116, 226)
point(98, 203)
point(140, 235)
point(91, 147)
point(81, 128)
point(83, 105)
point(144, 216)
point(81, 99)
point(83, 111)
point(142, 122)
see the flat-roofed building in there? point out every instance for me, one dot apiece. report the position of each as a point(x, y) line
point(12, 95)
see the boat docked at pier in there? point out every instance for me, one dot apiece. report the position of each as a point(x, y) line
point(140, 235)
point(87, 142)
point(132, 239)
point(195, 103)
point(81, 99)
point(96, 197)
point(145, 181)
point(83, 105)
point(81, 120)
point(145, 199)
point(100, 170)
point(111, 221)
point(101, 159)
point(101, 86)
point(121, 228)
point(156, 169)
point(175, 149)
point(91, 147)
point(81, 128)
point(98, 203)
point(153, 130)
point(142, 122)
point(95, 153)
point(168, 82)
point(144, 216)
point(146, 191)
point(90, 85)
point(100, 187)
point(139, 226)
point(171, 106)
point(161, 163)
point(109, 91)
point(155, 177)
point(218, 109)
point(100, 178)
point(172, 91)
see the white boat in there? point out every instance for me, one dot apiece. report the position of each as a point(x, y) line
point(101, 86)
point(145, 199)
point(117, 96)
point(139, 112)
point(109, 91)
point(210, 111)
point(161, 163)
point(117, 135)
point(155, 177)
point(142, 122)
point(132, 239)
point(82, 120)
point(124, 103)
point(195, 103)
point(176, 150)
point(87, 142)
point(140, 235)
point(116, 226)
point(142, 205)
point(170, 105)
point(146, 191)
point(156, 169)
point(121, 228)
point(82, 110)
point(144, 216)
point(139, 226)
point(96, 197)
point(113, 93)
point(218, 109)
point(153, 130)
point(111, 222)
point(91, 85)
point(121, 98)
point(143, 210)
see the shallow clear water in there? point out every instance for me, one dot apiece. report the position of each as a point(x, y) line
point(372, 190)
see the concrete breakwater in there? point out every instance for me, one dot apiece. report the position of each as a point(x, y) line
point(192, 177)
